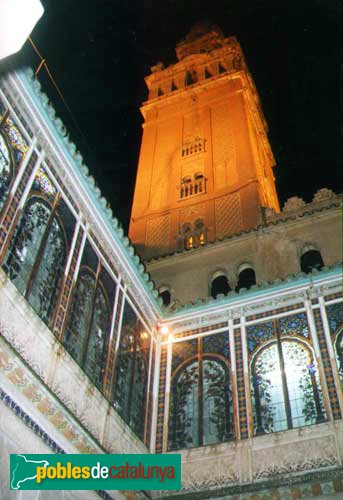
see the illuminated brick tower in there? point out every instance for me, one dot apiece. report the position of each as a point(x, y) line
point(205, 167)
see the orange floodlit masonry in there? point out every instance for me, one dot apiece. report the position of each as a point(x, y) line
point(205, 167)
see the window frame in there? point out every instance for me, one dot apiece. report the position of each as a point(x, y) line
point(198, 359)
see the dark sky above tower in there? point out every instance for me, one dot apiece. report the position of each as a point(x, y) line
point(99, 52)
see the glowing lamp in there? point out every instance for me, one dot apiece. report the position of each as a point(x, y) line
point(17, 20)
point(164, 330)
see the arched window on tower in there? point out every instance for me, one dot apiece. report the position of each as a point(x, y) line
point(199, 183)
point(199, 233)
point(187, 236)
point(246, 277)
point(201, 409)
point(191, 186)
point(193, 235)
point(36, 257)
point(186, 187)
point(311, 259)
point(191, 77)
point(219, 284)
point(285, 387)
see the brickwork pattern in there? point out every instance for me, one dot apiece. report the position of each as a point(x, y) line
point(228, 215)
point(157, 233)
point(223, 145)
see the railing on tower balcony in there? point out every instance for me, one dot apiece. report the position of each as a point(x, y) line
point(197, 146)
point(190, 187)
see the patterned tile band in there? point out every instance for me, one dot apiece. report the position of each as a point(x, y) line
point(38, 430)
point(242, 409)
point(161, 400)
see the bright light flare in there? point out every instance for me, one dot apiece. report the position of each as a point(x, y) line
point(17, 20)
point(164, 330)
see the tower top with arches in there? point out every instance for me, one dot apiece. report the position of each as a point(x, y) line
point(205, 154)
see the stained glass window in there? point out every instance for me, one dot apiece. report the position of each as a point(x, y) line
point(89, 324)
point(49, 274)
point(36, 256)
point(335, 317)
point(5, 170)
point(43, 183)
point(285, 387)
point(258, 334)
point(12, 148)
point(16, 140)
point(26, 242)
point(184, 409)
point(217, 417)
point(201, 410)
point(76, 332)
point(339, 355)
point(296, 324)
point(131, 376)
point(217, 343)
point(183, 351)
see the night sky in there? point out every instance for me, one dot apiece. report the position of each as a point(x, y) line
point(99, 52)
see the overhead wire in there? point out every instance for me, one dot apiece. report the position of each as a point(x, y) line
point(43, 64)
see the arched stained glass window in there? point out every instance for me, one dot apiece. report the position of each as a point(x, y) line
point(285, 387)
point(47, 282)
point(201, 410)
point(339, 355)
point(138, 396)
point(36, 257)
point(131, 374)
point(335, 319)
point(94, 362)
point(76, 332)
point(89, 325)
point(217, 413)
point(25, 245)
point(12, 149)
point(184, 409)
point(5, 170)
